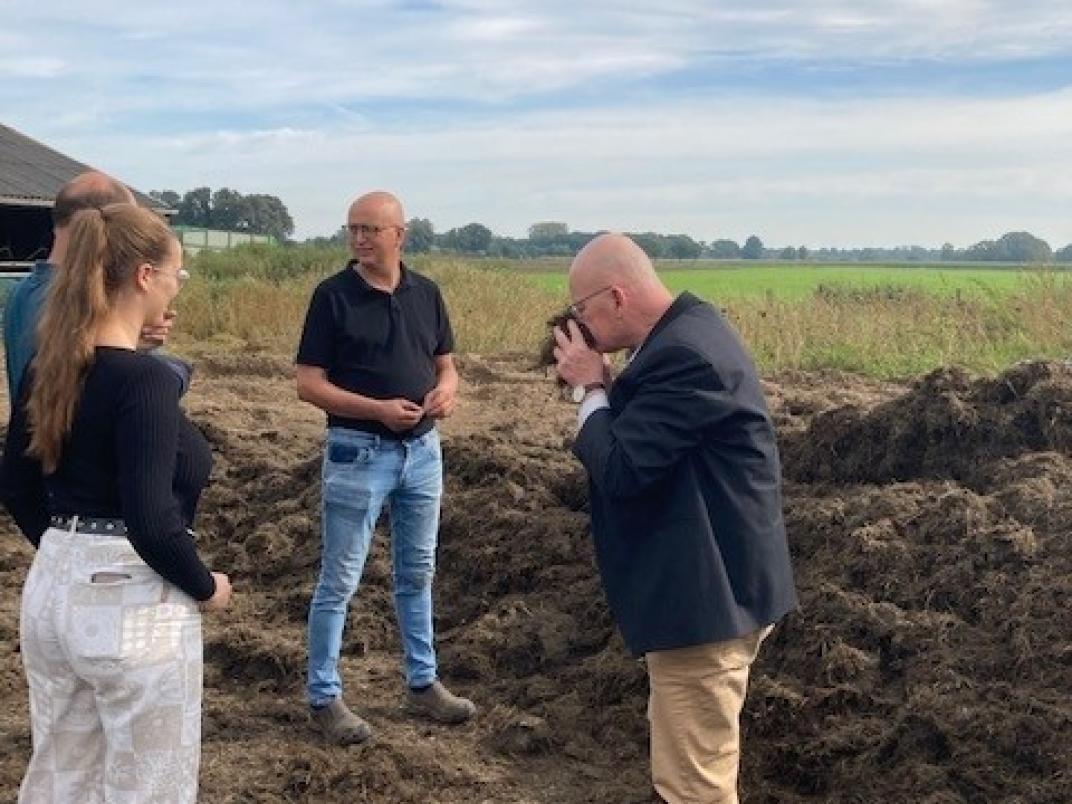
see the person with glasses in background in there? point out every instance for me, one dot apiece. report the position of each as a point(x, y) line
point(90, 190)
point(375, 356)
point(102, 472)
point(686, 505)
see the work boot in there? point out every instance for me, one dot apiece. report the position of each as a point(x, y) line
point(339, 725)
point(438, 703)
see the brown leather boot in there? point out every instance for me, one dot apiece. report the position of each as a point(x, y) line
point(339, 725)
point(438, 703)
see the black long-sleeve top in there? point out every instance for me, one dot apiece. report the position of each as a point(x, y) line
point(132, 454)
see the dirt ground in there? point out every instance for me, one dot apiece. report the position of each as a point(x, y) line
point(930, 660)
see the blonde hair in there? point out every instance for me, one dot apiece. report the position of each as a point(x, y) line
point(106, 247)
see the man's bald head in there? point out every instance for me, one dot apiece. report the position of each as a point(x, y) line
point(381, 205)
point(90, 190)
point(616, 292)
point(613, 259)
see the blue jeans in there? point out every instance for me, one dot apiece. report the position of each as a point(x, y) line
point(360, 472)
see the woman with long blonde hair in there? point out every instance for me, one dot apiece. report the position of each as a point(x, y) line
point(102, 472)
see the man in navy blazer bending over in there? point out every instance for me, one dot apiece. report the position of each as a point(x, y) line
point(685, 490)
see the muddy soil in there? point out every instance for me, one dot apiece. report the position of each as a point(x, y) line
point(930, 660)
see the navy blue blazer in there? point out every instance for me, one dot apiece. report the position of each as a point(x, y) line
point(685, 489)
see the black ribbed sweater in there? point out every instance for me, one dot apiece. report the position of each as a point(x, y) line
point(132, 454)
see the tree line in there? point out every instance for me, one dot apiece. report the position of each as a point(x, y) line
point(267, 214)
point(228, 209)
point(556, 239)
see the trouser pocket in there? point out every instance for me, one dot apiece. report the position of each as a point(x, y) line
point(111, 611)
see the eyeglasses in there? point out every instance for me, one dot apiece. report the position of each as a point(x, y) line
point(577, 308)
point(181, 274)
point(368, 229)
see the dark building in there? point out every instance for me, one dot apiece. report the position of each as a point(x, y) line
point(31, 175)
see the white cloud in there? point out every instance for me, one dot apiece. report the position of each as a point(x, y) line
point(336, 52)
point(496, 30)
point(40, 67)
point(903, 171)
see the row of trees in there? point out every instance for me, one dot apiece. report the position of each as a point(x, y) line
point(556, 239)
point(1010, 247)
point(546, 239)
point(421, 238)
point(229, 209)
point(267, 214)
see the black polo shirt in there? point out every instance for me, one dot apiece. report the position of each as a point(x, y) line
point(378, 344)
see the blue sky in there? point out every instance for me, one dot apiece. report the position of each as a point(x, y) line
point(822, 123)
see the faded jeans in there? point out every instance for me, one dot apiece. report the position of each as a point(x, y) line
point(361, 472)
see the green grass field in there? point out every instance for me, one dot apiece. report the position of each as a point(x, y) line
point(789, 281)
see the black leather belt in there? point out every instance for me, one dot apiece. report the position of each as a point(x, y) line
point(90, 524)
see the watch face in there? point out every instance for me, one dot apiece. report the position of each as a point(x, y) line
point(578, 394)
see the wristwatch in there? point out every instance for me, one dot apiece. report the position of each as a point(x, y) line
point(581, 391)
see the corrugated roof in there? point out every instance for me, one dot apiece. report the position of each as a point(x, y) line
point(32, 174)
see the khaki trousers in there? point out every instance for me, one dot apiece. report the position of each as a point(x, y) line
point(113, 658)
point(694, 708)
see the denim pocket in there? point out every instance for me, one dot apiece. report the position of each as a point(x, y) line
point(341, 452)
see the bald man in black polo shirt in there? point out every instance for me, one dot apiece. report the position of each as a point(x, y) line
point(375, 355)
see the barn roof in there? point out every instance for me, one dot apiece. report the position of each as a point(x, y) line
point(31, 173)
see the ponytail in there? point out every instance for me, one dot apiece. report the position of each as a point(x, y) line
point(105, 247)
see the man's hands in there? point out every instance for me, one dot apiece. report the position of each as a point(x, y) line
point(399, 415)
point(577, 363)
point(441, 401)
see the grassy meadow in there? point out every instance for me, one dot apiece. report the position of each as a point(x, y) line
point(882, 320)
point(794, 281)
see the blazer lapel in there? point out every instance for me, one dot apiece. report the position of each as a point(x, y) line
point(620, 388)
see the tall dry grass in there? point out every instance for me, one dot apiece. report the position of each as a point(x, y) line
point(493, 311)
point(256, 298)
point(901, 332)
point(255, 302)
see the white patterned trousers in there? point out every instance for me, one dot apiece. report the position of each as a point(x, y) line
point(113, 657)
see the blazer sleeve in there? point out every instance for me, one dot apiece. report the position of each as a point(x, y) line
point(679, 396)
